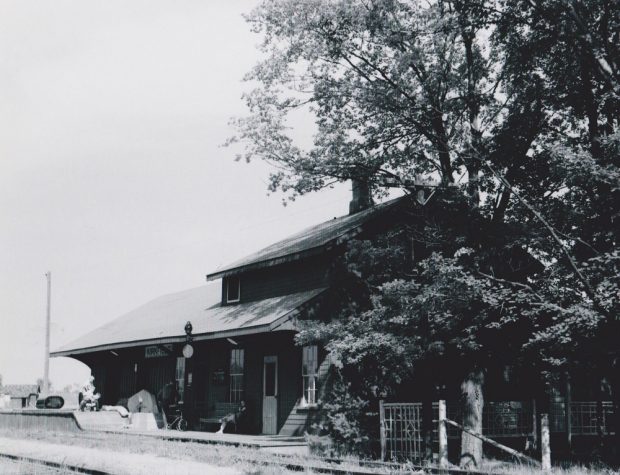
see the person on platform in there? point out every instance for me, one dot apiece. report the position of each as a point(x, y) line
point(235, 418)
point(167, 397)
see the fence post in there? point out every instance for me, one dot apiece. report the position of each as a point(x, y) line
point(534, 425)
point(382, 429)
point(545, 444)
point(443, 435)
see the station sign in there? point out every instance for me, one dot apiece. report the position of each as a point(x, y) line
point(157, 351)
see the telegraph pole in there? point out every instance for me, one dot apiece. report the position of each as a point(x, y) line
point(46, 374)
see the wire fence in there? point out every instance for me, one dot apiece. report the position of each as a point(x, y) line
point(584, 417)
point(401, 423)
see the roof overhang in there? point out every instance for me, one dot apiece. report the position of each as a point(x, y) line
point(286, 322)
point(288, 257)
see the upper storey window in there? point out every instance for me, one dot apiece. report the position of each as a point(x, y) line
point(233, 289)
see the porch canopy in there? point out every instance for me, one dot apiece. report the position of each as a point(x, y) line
point(163, 320)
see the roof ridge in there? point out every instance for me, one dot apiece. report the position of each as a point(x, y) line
point(316, 237)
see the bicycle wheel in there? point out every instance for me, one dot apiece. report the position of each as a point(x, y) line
point(182, 425)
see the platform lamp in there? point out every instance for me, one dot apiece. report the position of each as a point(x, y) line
point(188, 352)
point(188, 349)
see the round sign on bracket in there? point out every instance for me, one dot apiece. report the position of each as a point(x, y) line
point(188, 351)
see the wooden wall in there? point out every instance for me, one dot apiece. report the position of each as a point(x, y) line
point(38, 420)
point(213, 356)
point(284, 279)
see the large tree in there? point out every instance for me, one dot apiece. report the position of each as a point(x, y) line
point(511, 105)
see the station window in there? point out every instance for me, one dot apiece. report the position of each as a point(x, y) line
point(309, 374)
point(233, 289)
point(236, 374)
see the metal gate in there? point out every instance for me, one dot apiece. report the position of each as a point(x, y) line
point(401, 432)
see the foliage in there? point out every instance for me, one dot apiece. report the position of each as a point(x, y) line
point(514, 103)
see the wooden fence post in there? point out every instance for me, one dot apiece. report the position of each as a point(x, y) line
point(443, 435)
point(545, 444)
point(534, 425)
point(382, 429)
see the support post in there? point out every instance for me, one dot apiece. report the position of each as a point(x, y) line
point(46, 371)
point(382, 430)
point(443, 435)
point(545, 443)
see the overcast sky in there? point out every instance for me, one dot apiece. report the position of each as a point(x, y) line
point(112, 114)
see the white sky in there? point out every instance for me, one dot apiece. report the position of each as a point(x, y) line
point(112, 114)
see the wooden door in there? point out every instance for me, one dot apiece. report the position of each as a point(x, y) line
point(270, 395)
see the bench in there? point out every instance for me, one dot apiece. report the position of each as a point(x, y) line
point(220, 410)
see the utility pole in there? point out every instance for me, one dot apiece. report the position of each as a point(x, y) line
point(46, 374)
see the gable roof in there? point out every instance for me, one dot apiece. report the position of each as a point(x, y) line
point(163, 320)
point(310, 241)
point(19, 390)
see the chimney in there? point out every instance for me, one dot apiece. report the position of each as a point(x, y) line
point(362, 198)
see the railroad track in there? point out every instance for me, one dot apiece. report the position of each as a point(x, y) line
point(62, 467)
point(379, 468)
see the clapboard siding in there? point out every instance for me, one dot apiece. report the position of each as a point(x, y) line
point(254, 353)
point(290, 381)
point(155, 373)
point(300, 419)
point(282, 345)
point(218, 362)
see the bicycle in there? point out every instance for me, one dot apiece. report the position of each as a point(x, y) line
point(178, 423)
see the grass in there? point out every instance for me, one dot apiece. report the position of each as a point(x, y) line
point(575, 470)
point(247, 460)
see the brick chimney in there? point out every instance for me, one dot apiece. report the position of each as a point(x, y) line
point(362, 198)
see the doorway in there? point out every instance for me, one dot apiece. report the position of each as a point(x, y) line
point(270, 395)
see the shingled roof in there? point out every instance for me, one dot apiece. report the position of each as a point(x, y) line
point(163, 320)
point(310, 241)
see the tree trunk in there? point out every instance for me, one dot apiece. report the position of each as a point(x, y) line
point(472, 400)
point(442, 147)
